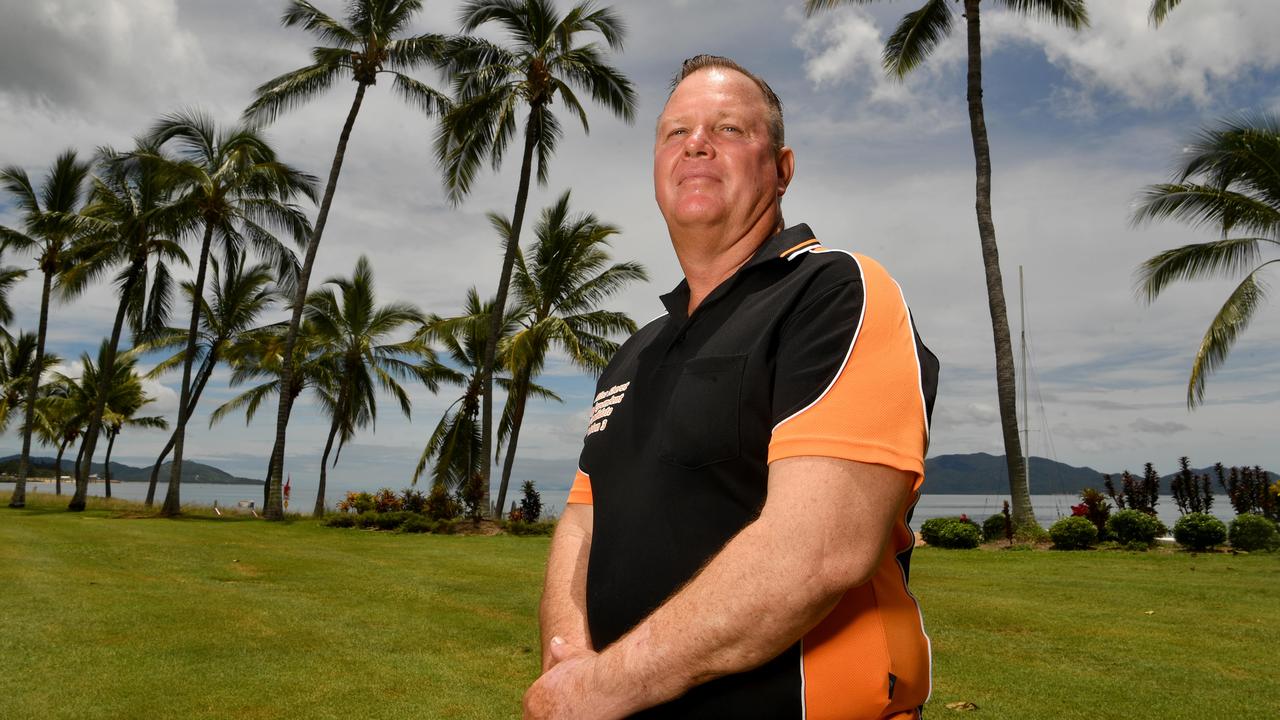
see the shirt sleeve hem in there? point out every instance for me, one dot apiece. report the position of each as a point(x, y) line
point(846, 450)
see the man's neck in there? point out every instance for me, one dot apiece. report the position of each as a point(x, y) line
point(710, 255)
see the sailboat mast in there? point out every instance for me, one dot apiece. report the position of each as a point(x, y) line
point(1026, 416)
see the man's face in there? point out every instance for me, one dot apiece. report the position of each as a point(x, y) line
point(714, 163)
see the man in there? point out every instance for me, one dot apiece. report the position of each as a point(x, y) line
point(735, 544)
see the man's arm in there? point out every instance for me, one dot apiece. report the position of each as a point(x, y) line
point(822, 531)
point(563, 612)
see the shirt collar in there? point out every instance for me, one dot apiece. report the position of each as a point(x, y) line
point(775, 248)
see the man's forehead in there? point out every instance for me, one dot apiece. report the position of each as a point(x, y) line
point(716, 79)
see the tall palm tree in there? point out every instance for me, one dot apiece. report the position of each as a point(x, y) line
point(239, 189)
point(493, 85)
point(559, 288)
point(1160, 10)
point(455, 442)
point(51, 222)
point(239, 295)
point(135, 226)
point(127, 398)
point(368, 42)
point(353, 332)
point(60, 422)
point(910, 44)
point(1228, 179)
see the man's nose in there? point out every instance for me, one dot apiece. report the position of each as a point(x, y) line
point(697, 144)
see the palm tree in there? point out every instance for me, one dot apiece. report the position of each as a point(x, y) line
point(369, 42)
point(352, 331)
point(493, 84)
point(17, 363)
point(559, 289)
point(455, 443)
point(9, 276)
point(1229, 179)
point(127, 397)
point(238, 188)
point(51, 222)
point(1160, 10)
point(912, 41)
point(240, 294)
point(135, 226)
point(59, 423)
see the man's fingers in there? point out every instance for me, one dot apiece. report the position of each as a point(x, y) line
point(561, 650)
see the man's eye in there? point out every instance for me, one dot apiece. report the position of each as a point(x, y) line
point(730, 129)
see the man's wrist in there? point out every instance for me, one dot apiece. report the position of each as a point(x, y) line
point(630, 671)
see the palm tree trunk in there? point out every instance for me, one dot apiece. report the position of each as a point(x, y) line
point(100, 404)
point(324, 461)
point(79, 454)
point(500, 302)
point(520, 394)
point(172, 504)
point(1006, 383)
point(19, 498)
point(57, 467)
point(201, 380)
point(106, 463)
point(274, 509)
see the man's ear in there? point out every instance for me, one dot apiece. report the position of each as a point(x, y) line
point(786, 168)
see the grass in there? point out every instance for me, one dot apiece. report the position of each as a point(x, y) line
point(113, 614)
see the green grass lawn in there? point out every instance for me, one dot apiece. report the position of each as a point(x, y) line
point(111, 615)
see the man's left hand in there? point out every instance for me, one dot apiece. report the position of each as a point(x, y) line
point(576, 687)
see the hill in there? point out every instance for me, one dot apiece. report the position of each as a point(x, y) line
point(191, 471)
point(985, 474)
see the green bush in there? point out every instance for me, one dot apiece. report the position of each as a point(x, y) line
point(446, 527)
point(993, 528)
point(1073, 533)
point(340, 520)
point(1199, 531)
point(417, 524)
point(441, 505)
point(516, 527)
point(1133, 528)
point(531, 502)
point(931, 528)
point(1031, 534)
point(960, 535)
point(413, 501)
point(1250, 532)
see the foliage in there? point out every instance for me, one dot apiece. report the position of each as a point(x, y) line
point(996, 528)
point(1094, 507)
point(1191, 492)
point(1134, 528)
point(1225, 182)
point(413, 501)
point(471, 496)
point(441, 505)
point(1199, 531)
point(340, 519)
point(1075, 532)
point(386, 500)
point(951, 533)
point(524, 527)
point(417, 524)
point(531, 503)
point(1251, 532)
point(358, 502)
point(1136, 493)
point(1250, 490)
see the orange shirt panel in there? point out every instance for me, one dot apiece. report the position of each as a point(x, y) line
point(580, 492)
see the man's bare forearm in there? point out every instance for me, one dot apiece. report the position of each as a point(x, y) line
point(767, 587)
point(563, 611)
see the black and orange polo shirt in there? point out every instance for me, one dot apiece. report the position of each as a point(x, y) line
point(804, 351)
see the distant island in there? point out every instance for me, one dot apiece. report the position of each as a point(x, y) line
point(192, 472)
point(985, 474)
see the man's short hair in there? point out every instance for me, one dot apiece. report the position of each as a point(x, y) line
point(702, 62)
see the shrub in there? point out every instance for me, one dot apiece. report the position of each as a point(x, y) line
point(386, 500)
point(930, 528)
point(995, 528)
point(530, 528)
point(1199, 531)
point(960, 535)
point(340, 520)
point(1094, 506)
point(1191, 492)
point(413, 501)
point(1134, 528)
point(1073, 533)
point(531, 502)
point(1031, 534)
point(1250, 532)
point(417, 524)
point(441, 505)
point(471, 497)
point(358, 502)
point(446, 527)
point(516, 515)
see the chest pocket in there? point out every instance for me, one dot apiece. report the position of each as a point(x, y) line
point(701, 424)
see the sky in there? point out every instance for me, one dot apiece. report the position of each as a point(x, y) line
point(1079, 123)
